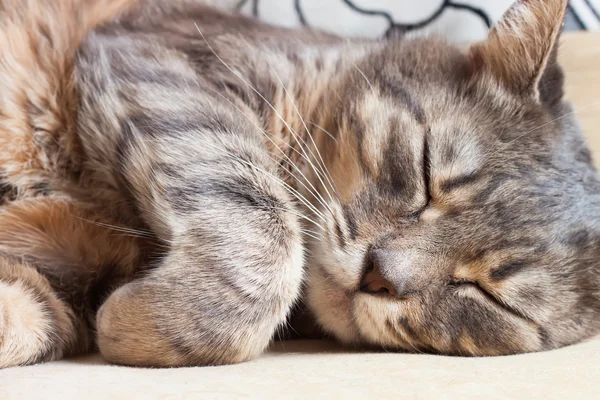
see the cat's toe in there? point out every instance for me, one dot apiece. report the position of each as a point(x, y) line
point(129, 332)
point(24, 332)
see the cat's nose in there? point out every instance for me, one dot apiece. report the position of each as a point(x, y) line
point(374, 281)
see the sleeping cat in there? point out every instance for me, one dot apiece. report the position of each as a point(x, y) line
point(174, 179)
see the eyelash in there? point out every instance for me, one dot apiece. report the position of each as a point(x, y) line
point(475, 285)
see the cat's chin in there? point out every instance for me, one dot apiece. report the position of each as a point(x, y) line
point(332, 306)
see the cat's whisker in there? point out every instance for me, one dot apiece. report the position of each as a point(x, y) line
point(310, 235)
point(311, 231)
point(316, 193)
point(588, 259)
point(312, 191)
point(238, 75)
point(315, 211)
point(286, 186)
point(303, 185)
point(164, 247)
point(304, 217)
point(554, 120)
point(320, 162)
point(123, 231)
point(283, 184)
point(323, 130)
point(115, 227)
point(363, 75)
point(299, 215)
point(306, 202)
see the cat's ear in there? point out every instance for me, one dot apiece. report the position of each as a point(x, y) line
point(521, 47)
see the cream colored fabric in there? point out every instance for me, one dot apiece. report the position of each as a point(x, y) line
point(580, 57)
point(322, 369)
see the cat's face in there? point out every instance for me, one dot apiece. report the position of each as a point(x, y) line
point(464, 221)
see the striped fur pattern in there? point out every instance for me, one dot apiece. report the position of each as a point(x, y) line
point(174, 179)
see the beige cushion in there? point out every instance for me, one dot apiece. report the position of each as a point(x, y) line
point(322, 369)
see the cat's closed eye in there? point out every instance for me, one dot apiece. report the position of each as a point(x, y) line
point(461, 227)
point(199, 173)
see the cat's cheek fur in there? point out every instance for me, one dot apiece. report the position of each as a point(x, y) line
point(342, 266)
point(331, 305)
point(374, 318)
point(157, 140)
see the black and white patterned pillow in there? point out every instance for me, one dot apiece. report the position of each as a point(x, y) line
point(584, 14)
point(458, 20)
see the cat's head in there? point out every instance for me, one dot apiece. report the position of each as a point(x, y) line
point(467, 217)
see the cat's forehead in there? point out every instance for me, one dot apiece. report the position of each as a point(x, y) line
point(420, 60)
point(408, 120)
point(400, 117)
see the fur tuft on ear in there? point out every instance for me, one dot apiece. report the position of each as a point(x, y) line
point(521, 45)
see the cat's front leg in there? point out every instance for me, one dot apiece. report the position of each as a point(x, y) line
point(235, 262)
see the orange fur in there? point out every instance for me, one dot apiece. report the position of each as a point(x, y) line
point(519, 46)
point(58, 239)
point(37, 107)
point(60, 231)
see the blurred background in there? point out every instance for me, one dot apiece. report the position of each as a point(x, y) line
point(458, 20)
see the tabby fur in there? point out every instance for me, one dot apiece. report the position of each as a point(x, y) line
point(175, 178)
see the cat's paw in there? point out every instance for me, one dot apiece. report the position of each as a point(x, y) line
point(35, 325)
point(128, 333)
point(24, 327)
point(145, 324)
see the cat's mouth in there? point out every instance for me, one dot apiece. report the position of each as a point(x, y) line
point(351, 315)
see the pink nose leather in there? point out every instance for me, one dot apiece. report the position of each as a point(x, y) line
point(373, 282)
